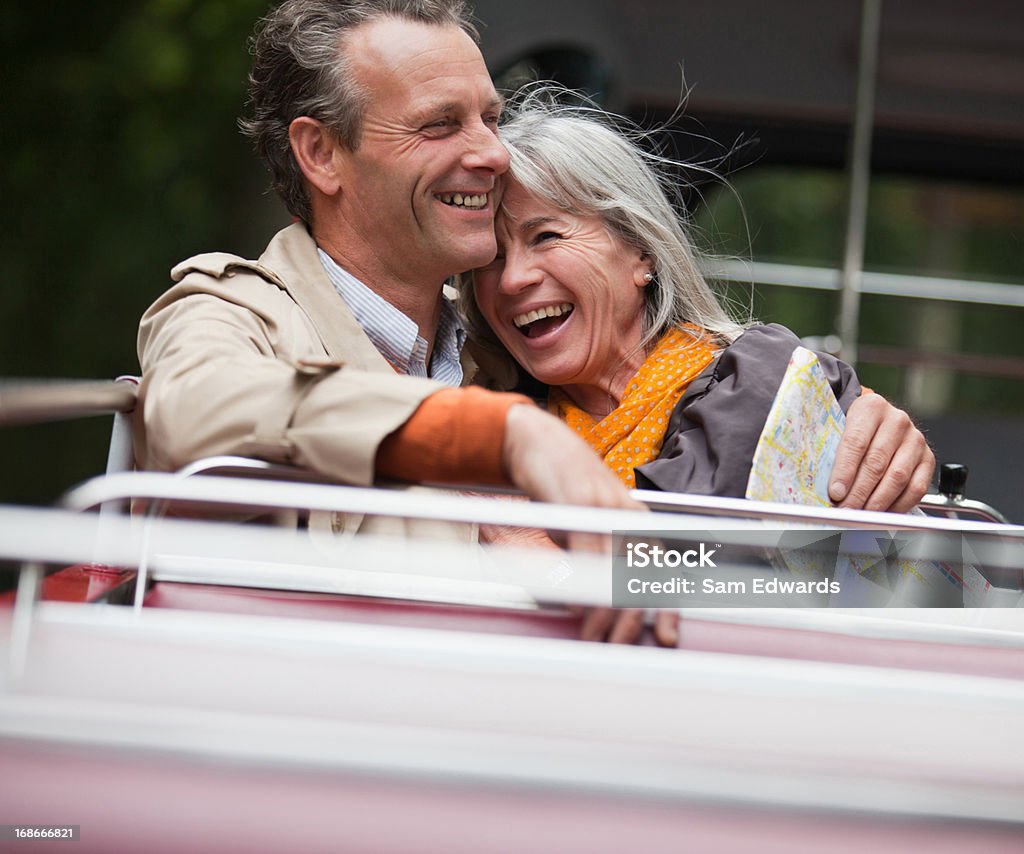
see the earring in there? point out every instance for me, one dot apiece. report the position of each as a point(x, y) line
point(648, 278)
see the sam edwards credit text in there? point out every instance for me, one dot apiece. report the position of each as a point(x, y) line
point(675, 586)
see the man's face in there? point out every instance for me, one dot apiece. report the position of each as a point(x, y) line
point(417, 194)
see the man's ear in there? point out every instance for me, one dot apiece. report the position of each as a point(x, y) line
point(315, 150)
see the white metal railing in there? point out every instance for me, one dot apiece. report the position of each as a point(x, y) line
point(253, 556)
point(533, 713)
point(220, 553)
point(881, 284)
point(32, 401)
point(254, 494)
point(887, 284)
point(997, 551)
point(414, 569)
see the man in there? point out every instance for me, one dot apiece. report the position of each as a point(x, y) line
point(394, 183)
point(379, 121)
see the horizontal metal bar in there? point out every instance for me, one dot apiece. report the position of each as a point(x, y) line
point(881, 284)
point(259, 556)
point(231, 554)
point(1005, 367)
point(247, 467)
point(961, 508)
point(35, 401)
point(275, 558)
point(685, 514)
point(827, 516)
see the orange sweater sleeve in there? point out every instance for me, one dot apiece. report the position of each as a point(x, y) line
point(455, 436)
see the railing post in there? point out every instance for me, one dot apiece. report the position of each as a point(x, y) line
point(859, 166)
point(29, 584)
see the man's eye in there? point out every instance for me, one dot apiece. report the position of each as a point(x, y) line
point(492, 120)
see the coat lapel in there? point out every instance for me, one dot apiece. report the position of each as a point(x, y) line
point(292, 261)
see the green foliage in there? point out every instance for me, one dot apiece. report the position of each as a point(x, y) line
point(122, 157)
point(914, 226)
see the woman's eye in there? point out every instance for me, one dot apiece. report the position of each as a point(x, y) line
point(544, 236)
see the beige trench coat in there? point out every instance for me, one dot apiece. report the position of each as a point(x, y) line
point(264, 359)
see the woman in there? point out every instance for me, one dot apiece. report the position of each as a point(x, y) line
point(596, 293)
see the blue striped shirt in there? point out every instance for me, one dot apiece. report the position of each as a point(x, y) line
point(395, 335)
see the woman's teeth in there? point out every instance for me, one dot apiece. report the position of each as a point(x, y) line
point(464, 201)
point(521, 320)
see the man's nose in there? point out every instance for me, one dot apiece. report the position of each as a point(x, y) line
point(485, 151)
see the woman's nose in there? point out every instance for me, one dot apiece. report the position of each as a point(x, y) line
point(518, 273)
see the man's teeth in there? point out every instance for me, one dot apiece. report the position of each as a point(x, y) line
point(521, 320)
point(464, 201)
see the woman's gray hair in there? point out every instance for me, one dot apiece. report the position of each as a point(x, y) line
point(299, 68)
point(574, 158)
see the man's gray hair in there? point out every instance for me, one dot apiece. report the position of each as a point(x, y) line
point(574, 158)
point(299, 68)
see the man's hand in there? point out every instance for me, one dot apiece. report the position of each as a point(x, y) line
point(549, 462)
point(883, 461)
point(627, 626)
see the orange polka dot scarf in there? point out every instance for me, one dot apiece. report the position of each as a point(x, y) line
point(632, 434)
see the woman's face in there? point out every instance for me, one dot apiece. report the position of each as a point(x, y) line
point(565, 296)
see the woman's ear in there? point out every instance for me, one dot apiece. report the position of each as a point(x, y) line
point(315, 150)
point(643, 273)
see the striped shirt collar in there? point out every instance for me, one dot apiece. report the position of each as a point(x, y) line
point(395, 335)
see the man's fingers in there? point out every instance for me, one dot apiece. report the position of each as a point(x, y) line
point(894, 480)
point(863, 420)
point(890, 458)
point(582, 541)
point(549, 462)
point(919, 483)
point(872, 467)
point(628, 627)
point(666, 628)
point(907, 477)
point(596, 623)
point(883, 461)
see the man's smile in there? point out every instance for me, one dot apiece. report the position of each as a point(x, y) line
point(464, 200)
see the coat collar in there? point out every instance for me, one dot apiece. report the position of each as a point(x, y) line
point(292, 261)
